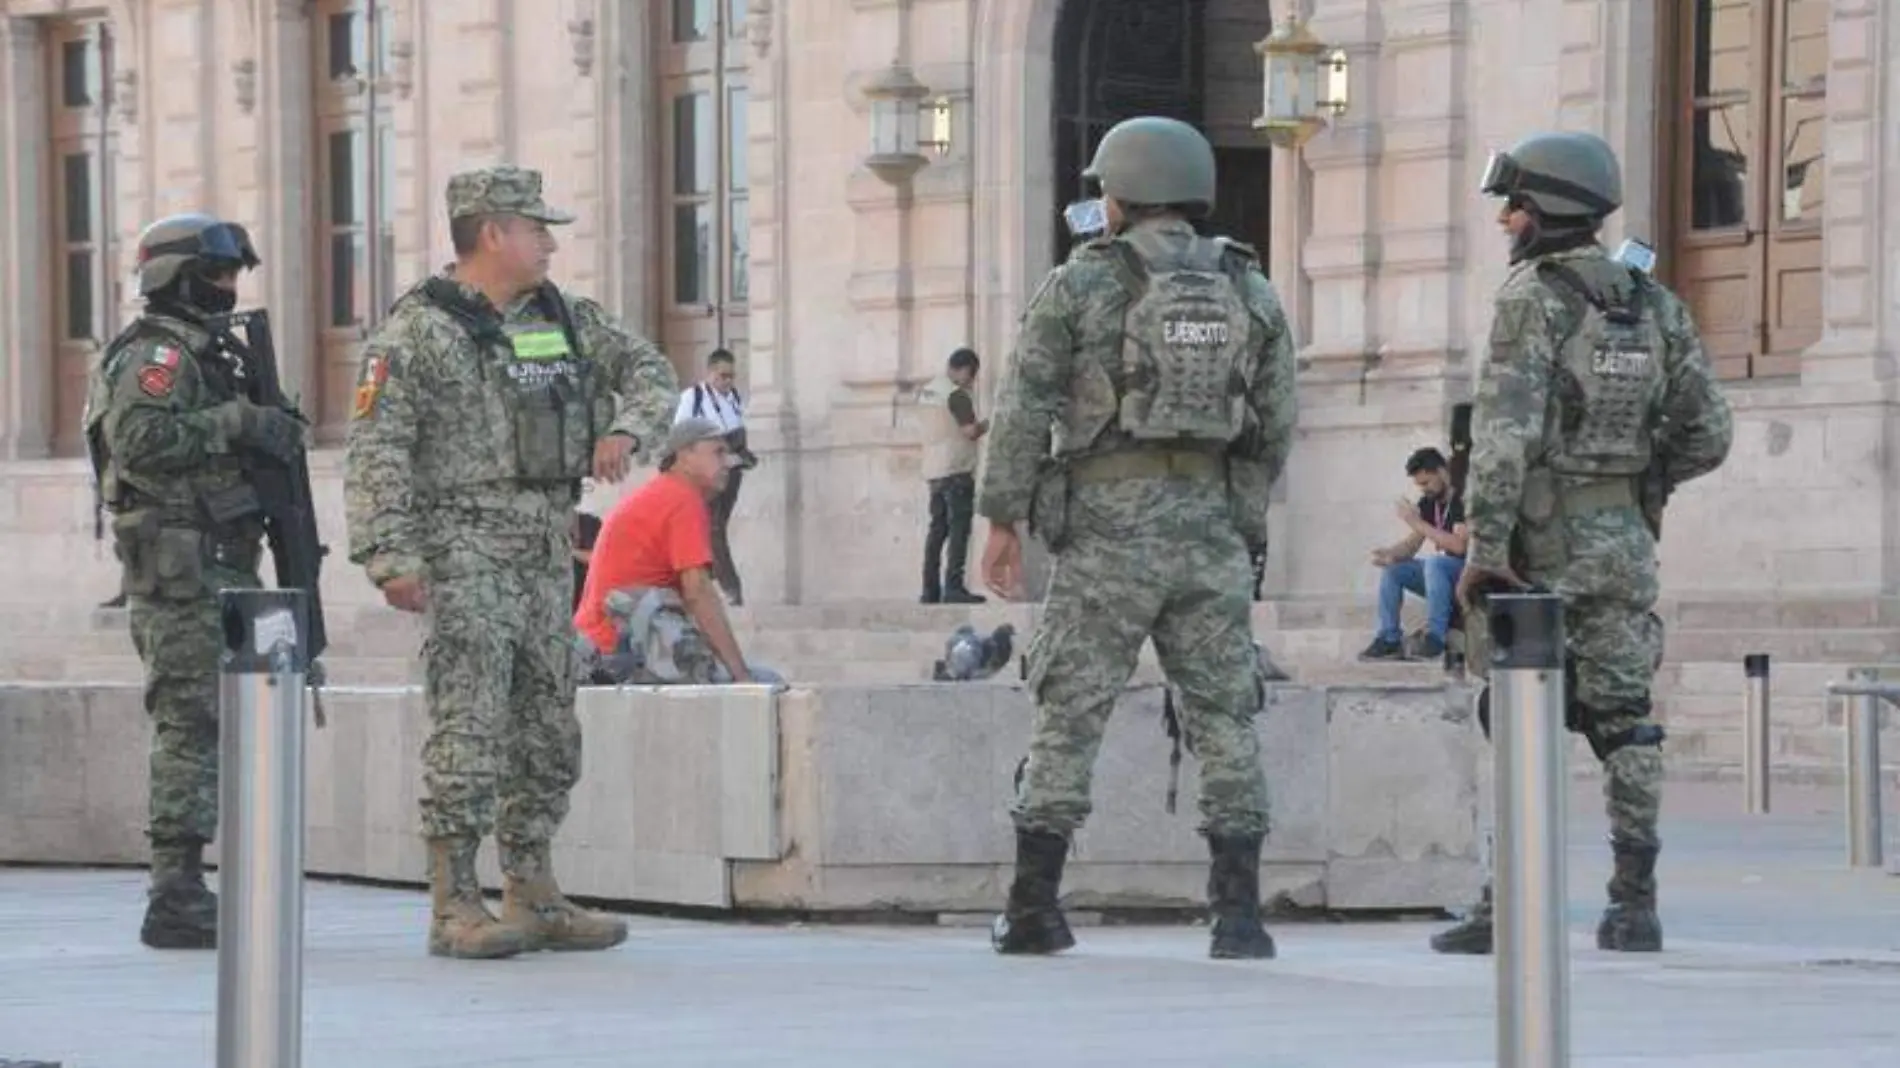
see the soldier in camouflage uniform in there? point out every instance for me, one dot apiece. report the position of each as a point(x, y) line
point(1594, 402)
point(484, 399)
point(1146, 413)
point(169, 433)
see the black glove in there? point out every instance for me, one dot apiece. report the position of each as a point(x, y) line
point(271, 431)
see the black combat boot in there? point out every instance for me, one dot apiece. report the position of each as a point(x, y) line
point(1473, 936)
point(1630, 924)
point(1032, 921)
point(1233, 896)
point(180, 911)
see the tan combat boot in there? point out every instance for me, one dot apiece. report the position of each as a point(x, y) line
point(531, 899)
point(462, 926)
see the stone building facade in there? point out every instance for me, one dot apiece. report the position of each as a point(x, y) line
point(715, 153)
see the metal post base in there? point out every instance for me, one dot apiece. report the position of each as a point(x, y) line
point(260, 809)
point(1529, 745)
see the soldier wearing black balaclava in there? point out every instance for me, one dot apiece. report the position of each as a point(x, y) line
point(169, 430)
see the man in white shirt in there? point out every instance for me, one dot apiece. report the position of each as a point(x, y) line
point(716, 397)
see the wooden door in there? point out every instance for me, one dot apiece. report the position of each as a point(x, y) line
point(1748, 178)
point(1797, 88)
point(86, 290)
point(705, 176)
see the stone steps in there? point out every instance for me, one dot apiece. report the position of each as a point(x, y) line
point(898, 641)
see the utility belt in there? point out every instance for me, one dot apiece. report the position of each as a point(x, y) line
point(1599, 496)
point(165, 559)
point(1049, 501)
point(1541, 542)
point(1147, 463)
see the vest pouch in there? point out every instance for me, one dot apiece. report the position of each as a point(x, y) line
point(551, 408)
point(132, 538)
point(1540, 527)
point(178, 564)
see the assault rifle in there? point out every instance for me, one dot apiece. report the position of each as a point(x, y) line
point(290, 514)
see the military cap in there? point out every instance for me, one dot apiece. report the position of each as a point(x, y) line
point(503, 190)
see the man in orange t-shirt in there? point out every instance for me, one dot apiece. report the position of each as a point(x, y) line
point(651, 576)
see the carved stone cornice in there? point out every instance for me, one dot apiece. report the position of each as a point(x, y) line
point(760, 29)
point(581, 34)
point(125, 95)
point(244, 76)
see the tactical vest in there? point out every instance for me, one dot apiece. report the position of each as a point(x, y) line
point(1609, 379)
point(552, 410)
point(946, 451)
point(1180, 374)
point(177, 497)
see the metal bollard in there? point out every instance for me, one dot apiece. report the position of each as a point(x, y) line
point(1864, 834)
point(1755, 732)
point(260, 806)
point(1529, 745)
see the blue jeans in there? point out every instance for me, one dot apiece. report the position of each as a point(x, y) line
point(1434, 578)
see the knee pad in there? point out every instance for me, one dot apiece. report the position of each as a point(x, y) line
point(1643, 734)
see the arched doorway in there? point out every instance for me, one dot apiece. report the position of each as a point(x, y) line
point(1191, 60)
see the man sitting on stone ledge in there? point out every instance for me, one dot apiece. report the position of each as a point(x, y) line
point(650, 612)
point(1437, 521)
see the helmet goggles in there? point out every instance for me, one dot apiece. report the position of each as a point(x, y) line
point(222, 245)
point(1504, 178)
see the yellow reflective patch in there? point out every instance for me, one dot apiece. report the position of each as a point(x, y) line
point(540, 345)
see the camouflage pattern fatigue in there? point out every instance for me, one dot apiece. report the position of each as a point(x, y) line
point(1140, 551)
point(165, 447)
point(504, 748)
point(1593, 549)
point(1148, 557)
point(454, 474)
point(179, 642)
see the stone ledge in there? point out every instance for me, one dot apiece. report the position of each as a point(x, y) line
point(833, 799)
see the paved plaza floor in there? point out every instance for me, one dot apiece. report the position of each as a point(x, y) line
point(1779, 957)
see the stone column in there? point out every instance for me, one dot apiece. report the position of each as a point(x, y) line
point(773, 414)
point(26, 349)
point(1859, 315)
point(628, 144)
point(286, 111)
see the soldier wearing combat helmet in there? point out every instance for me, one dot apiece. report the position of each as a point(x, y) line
point(1594, 402)
point(1146, 412)
point(169, 434)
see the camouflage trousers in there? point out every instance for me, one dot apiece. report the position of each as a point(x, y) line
point(1614, 648)
point(1106, 597)
point(179, 642)
point(658, 645)
point(504, 747)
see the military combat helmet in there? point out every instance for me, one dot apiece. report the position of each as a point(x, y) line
point(1152, 160)
point(1560, 174)
point(173, 243)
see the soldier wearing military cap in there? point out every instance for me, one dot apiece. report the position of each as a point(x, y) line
point(484, 399)
point(169, 432)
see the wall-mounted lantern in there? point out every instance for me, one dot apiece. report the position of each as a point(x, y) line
point(896, 98)
point(1304, 84)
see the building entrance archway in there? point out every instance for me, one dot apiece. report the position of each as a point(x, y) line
point(1191, 60)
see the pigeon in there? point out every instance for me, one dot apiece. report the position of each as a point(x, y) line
point(968, 656)
point(1269, 671)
